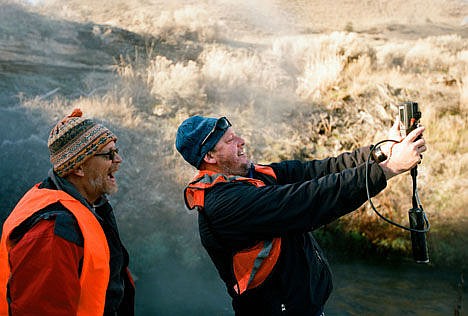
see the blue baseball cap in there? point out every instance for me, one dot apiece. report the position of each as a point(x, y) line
point(197, 135)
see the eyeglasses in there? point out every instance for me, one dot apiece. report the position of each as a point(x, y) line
point(111, 154)
point(221, 124)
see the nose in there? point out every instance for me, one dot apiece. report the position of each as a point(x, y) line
point(117, 158)
point(240, 141)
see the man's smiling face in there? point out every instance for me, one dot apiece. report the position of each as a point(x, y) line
point(229, 154)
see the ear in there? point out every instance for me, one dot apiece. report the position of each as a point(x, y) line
point(78, 171)
point(209, 158)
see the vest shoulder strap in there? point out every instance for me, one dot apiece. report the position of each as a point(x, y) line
point(65, 226)
point(194, 193)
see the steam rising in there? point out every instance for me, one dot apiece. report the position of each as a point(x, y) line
point(313, 85)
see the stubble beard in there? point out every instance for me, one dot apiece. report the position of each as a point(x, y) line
point(239, 170)
point(101, 185)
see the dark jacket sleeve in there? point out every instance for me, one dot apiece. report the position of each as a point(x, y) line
point(240, 211)
point(293, 171)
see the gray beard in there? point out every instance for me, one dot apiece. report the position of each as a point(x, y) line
point(100, 184)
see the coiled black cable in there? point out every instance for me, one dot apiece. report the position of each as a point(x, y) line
point(415, 195)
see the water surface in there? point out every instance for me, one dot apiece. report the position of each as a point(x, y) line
point(360, 288)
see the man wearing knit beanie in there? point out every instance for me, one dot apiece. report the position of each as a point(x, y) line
point(255, 221)
point(60, 251)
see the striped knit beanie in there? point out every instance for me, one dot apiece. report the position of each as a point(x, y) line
point(75, 139)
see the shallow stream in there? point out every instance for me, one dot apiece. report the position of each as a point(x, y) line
point(360, 288)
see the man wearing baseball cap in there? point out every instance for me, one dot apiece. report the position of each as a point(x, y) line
point(60, 251)
point(255, 220)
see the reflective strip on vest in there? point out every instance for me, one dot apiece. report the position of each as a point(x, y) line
point(254, 265)
point(95, 271)
point(251, 266)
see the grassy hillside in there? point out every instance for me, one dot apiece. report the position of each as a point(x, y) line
point(298, 79)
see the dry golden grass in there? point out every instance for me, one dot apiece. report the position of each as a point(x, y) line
point(295, 94)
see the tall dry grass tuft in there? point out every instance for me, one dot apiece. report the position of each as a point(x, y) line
point(175, 82)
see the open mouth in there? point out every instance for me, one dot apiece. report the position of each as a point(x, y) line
point(111, 176)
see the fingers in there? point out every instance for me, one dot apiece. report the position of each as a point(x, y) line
point(411, 137)
point(417, 148)
point(394, 132)
point(405, 154)
point(419, 143)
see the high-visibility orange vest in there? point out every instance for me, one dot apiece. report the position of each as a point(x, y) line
point(94, 277)
point(253, 265)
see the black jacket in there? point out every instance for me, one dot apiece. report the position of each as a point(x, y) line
point(305, 196)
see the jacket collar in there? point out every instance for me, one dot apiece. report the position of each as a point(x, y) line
point(64, 185)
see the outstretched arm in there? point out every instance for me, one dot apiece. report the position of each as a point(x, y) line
point(290, 172)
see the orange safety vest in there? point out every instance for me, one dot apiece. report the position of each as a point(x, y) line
point(253, 265)
point(94, 277)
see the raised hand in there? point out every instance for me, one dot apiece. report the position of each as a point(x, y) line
point(406, 154)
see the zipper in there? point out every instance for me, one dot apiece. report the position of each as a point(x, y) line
point(318, 256)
